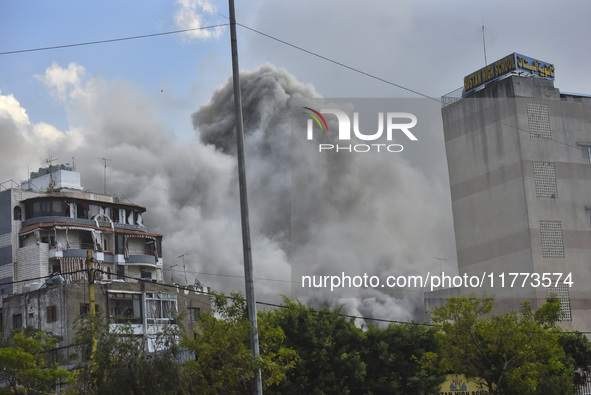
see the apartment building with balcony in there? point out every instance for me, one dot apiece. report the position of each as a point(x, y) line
point(48, 224)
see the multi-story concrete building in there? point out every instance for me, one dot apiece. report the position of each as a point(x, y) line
point(519, 158)
point(47, 226)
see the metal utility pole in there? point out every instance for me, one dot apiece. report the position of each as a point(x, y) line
point(257, 385)
point(91, 301)
point(105, 173)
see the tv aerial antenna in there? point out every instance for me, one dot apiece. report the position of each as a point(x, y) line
point(484, 44)
point(105, 173)
point(184, 267)
point(51, 181)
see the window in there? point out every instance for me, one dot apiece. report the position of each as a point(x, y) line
point(125, 307)
point(17, 213)
point(86, 241)
point(51, 314)
point(17, 321)
point(586, 153)
point(120, 272)
point(144, 273)
point(85, 308)
point(160, 308)
point(55, 268)
point(193, 313)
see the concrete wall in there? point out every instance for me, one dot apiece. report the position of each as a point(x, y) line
point(486, 175)
point(521, 187)
point(69, 298)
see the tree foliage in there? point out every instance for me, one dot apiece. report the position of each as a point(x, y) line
point(121, 363)
point(336, 356)
point(223, 360)
point(397, 360)
point(510, 353)
point(25, 365)
point(577, 348)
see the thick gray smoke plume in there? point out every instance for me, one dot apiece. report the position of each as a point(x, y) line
point(372, 214)
point(191, 193)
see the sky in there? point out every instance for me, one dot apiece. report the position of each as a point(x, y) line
point(160, 108)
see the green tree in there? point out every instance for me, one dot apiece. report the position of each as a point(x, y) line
point(328, 348)
point(395, 358)
point(223, 360)
point(577, 348)
point(510, 353)
point(121, 363)
point(337, 357)
point(24, 362)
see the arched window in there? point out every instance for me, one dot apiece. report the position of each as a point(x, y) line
point(17, 213)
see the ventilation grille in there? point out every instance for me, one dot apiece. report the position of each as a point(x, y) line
point(538, 120)
point(545, 180)
point(552, 240)
point(562, 293)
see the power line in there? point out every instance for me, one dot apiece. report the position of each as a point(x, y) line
point(178, 287)
point(234, 276)
point(339, 63)
point(112, 40)
point(41, 278)
point(390, 82)
point(282, 42)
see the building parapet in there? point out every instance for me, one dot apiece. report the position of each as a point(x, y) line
point(452, 96)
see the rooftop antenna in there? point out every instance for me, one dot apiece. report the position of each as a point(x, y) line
point(184, 267)
point(48, 161)
point(105, 173)
point(484, 44)
point(440, 260)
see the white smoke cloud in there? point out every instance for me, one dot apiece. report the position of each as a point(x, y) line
point(194, 14)
point(26, 143)
point(64, 83)
point(191, 193)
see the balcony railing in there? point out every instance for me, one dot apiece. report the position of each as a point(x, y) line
point(140, 251)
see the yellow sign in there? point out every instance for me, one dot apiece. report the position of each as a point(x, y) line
point(513, 62)
point(456, 384)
